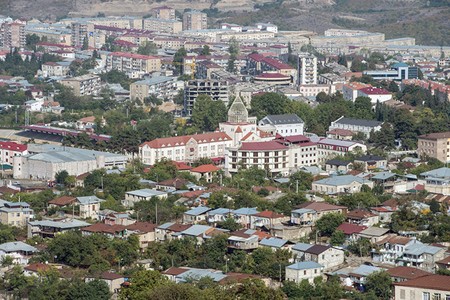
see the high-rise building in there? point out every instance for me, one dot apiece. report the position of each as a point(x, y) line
point(12, 34)
point(216, 89)
point(307, 69)
point(195, 20)
point(164, 12)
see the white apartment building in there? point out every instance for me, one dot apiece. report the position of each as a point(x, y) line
point(285, 125)
point(162, 87)
point(304, 270)
point(356, 125)
point(83, 85)
point(134, 65)
point(307, 69)
point(350, 90)
point(8, 150)
point(186, 148)
point(330, 148)
point(270, 156)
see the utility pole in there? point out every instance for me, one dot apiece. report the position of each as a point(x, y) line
point(296, 186)
point(156, 213)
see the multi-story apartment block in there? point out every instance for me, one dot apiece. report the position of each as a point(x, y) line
point(8, 150)
point(302, 152)
point(356, 125)
point(80, 32)
point(329, 148)
point(436, 145)
point(134, 65)
point(162, 25)
point(270, 156)
point(83, 85)
point(307, 69)
point(60, 68)
point(161, 86)
point(350, 90)
point(195, 20)
point(12, 34)
point(15, 213)
point(186, 148)
point(164, 12)
point(257, 64)
point(216, 89)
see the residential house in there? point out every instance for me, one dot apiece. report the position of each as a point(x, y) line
point(8, 150)
point(218, 215)
point(362, 217)
point(205, 172)
point(425, 287)
point(245, 239)
point(300, 271)
point(371, 162)
point(350, 90)
point(62, 201)
point(376, 95)
point(50, 228)
point(436, 145)
point(199, 232)
point(275, 243)
point(402, 273)
point(113, 280)
point(329, 257)
point(330, 148)
point(386, 180)
point(243, 215)
point(358, 275)
point(422, 256)
point(284, 125)
point(391, 248)
point(145, 231)
point(89, 206)
point(84, 85)
point(437, 181)
point(267, 219)
point(309, 212)
point(444, 264)
point(15, 213)
point(351, 231)
point(132, 197)
point(373, 234)
point(338, 166)
point(110, 231)
point(385, 210)
point(340, 134)
point(20, 252)
point(164, 231)
point(356, 125)
point(195, 215)
point(347, 184)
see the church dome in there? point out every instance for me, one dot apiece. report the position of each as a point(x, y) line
point(238, 112)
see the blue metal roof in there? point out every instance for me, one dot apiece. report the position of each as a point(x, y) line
point(341, 180)
point(219, 211)
point(303, 211)
point(365, 270)
point(273, 242)
point(439, 173)
point(198, 211)
point(384, 176)
point(196, 230)
point(419, 249)
point(301, 246)
point(89, 200)
point(200, 273)
point(305, 265)
point(17, 246)
point(246, 211)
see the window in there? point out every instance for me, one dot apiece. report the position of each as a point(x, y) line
point(436, 296)
point(304, 272)
point(425, 296)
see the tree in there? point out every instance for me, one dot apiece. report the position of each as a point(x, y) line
point(230, 224)
point(361, 247)
point(142, 284)
point(328, 223)
point(149, 48)
point(205, 50)
point(301, 179)
point(93, 290)
point(61, 176)
point(337, 238)
point(380, 283)
point(435, 207)
point(269, 104)
point(178, 60)
point(207, 113)
point(85, 44)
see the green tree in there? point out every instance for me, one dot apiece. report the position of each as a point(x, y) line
point(302, 180)
point(85, 44)
point(269, 104)
point(205, 50)
point(178, 60)
point(435, 207)
point(328, 223)
point(142, 285)
point(337, 238)
point(207, 113)
point(93, 290)
point(148, 48)
point(230, 224)
point(380, 283)
point(361, 247)
point(61, 176)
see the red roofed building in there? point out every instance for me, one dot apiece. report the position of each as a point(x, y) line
point(134, 65)
point(362, 217)
point(267, 218)
point(145, 232)
point(111, 231)
point(187, 148)
point(10, 149)
point(350, 230)
point(375, 94)
point(257, 64)
point(205, 171)
point(425, 287)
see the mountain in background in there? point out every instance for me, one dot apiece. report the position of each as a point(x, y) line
point(426, 20)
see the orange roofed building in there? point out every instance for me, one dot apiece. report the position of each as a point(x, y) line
point(187, 148)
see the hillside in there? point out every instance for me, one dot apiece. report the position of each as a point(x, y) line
point(427, 21)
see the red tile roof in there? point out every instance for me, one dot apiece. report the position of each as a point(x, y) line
point(104, 228)
point(359, 214)
point(321, 206)
point(175, 271)
point(110, 276)
point(182, 140)
point(142, 227)
point(269, 61)
point(433, 282)
point(374, 91)
point(343, 132)
point(205, 169)
point(407, 272)
point(262, 146)
point(181, 166)
point(63, 201)
point(445, 261)
point(269, 214)
point(349, 229)
point(13, 146)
